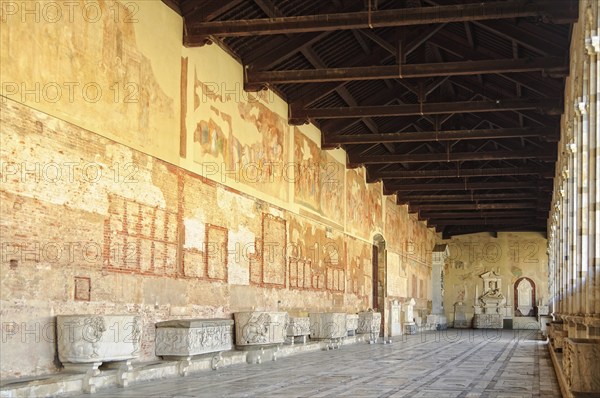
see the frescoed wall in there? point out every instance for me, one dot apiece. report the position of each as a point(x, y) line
point(364, 205)
point(97, 64)
point(319, 178)
point(196, 199)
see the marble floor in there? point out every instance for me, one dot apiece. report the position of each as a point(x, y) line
point(452, 363)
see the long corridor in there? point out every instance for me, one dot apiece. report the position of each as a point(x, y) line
point(452, 363)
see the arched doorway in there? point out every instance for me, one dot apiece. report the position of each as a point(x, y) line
point(524, 297)
point(379, 278)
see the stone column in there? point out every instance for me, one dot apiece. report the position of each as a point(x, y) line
point(572, 219)
point(594, 276)
point(439, 255)
point(592, 47)
point(582, 196)
point(564, 258)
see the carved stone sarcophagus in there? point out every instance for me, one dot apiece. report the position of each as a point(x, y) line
point(369, 322)
point(351, 324)
point(187, 337)
point(298, 326)
point(94, 339)
point(256, 328)
point(327, 325)
point(581, 365)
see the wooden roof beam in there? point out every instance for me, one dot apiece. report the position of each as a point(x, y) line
point(474, 206)
point(548, 155)
point(458, 215)
point(389, 188)
point(444, 135)
point(549, 65)
point(545, 172)
point(557, 11)
point(466, 197)
point(486, 221)
point(550, 106)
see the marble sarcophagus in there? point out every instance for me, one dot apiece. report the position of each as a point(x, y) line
point(188, 337)
point(260, 328)
point(87, 341)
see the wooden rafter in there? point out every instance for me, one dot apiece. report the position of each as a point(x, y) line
point(558, 11)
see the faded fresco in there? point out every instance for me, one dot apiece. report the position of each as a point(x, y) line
point(309, 244)
point(247, 147)
point(360, 269)
point(103, 80)
point(364, 207)
point(318, 178)
point(396, 225)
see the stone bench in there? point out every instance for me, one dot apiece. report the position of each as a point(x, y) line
point(184, 338)
point(87, 341)
point(351, 324)
point(581, 365)
point(298, 327)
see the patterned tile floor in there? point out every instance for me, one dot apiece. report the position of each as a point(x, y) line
point(452, 363)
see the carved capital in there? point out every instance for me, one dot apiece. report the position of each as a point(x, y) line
point(592, 44)
point(582, 106)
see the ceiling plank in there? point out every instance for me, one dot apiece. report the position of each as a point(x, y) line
point(409, 46)
point(268, 57)
point(206, 10)
point(316, 61)
point(549, 65)
point(512, 32)
point(558, 11)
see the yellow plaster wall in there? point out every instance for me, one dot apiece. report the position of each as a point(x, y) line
point(511, 255)
point(98, 64)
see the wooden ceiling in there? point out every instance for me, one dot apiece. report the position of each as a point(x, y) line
point(454, 105)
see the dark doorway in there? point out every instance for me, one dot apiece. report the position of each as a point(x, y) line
point(379, 279)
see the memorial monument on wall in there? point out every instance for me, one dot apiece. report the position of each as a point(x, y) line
point(490, 307)
point(410, 327)
point(437, 319)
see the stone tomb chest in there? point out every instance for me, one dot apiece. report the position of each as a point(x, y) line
point(298, 327)
point(187, 337)
point(260, 328)
point(328, 325)
point(87, 341)
point(369, 322)
point(581, 365)
point(351, 324)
